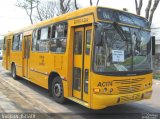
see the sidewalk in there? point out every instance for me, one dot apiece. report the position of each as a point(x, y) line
point(155, 81)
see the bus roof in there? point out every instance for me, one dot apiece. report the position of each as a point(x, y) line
point(73, 14)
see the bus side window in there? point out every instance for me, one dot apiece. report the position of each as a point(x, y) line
point(78, 43)
point(58, 38)
point(16, 42)
point(88, 41)
point(34, 40)
point(20, 41)
point(53, 31)
point(4, 45)
point(43, 39)
point(38, 39)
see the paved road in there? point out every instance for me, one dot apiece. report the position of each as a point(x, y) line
point(22, 96)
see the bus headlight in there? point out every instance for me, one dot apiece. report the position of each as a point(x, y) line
point(105, 90)
point(111, 90)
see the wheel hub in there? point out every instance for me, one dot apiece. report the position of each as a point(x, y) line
point(13, 72)
point(57, 90)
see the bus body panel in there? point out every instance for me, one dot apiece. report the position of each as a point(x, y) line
point(103, 101)
point(128, 89)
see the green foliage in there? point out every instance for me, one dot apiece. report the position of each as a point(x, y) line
point(156, 76)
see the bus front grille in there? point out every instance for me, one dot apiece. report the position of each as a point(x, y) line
point(129, 89)
point(129, 85)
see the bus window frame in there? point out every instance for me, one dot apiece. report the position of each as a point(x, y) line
point(54, 24)
point(51, 24)
point(36, 30)
point(21, 33)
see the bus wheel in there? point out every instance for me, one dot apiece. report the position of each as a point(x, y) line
point(13, 72)
point(57, 90)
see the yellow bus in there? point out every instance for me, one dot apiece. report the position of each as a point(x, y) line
point(95, 56)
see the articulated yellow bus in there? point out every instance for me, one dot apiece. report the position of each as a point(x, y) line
point(95, 56)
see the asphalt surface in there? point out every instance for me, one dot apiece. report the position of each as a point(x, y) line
point(23, 97)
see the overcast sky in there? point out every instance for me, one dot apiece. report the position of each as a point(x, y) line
point(12, 17)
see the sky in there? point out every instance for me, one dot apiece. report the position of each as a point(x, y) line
point(13, 17)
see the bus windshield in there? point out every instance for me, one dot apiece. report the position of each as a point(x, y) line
point(121, 48)
point(123, 17)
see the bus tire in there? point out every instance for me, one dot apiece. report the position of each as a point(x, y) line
point(13, 72)
point(57, 90)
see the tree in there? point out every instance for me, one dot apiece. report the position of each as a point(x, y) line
point(91, 2)
point(45, 10)
point(42, 10)
point(148, 8)
point(149, 12)
point(97, 2)
point(63, 6)
point(156, 2)
point(138, 6)
point(28, 6)
point(49, 9)
point(75, 4)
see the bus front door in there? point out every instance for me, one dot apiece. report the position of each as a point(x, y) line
point(81, 63)
point(26, 55)
point(8, 48)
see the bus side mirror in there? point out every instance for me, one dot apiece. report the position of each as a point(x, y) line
point(153, 45)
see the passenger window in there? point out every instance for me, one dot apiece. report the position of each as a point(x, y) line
point(20, 41)
point(78, 43)
point(17, 42)
point(77, 78)
point(4, 44)
point(44, 33)
point(59, 37)
point(42, 43)
point(88, 41)
point(34, 40)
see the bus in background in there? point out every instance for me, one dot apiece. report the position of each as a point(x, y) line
point(95, 56)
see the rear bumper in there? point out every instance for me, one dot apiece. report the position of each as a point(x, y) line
point(101, 101)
